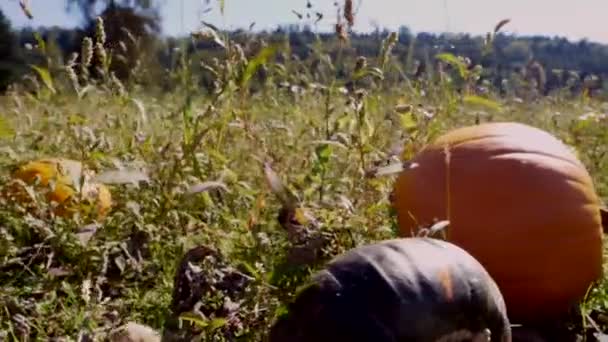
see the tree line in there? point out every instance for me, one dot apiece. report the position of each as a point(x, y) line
point(540, 63)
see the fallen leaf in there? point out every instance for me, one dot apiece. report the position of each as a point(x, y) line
point(122, 177)
point(85, 233)
point(59, 272)
point(206, 186)
point(135, 332)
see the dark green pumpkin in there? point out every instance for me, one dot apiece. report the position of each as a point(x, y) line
point(412, 289)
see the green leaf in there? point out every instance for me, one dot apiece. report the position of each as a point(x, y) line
point(217, 323)
point(369, 71)
point(45, 75)
point(213, 324)
point(217, 156)
point(193, 318)
point(254, 64)
point(454, 61)
point(41, 42)
point(408, 121)
point(6, 131)
point(77, 119)
point(323, 153)
point(222, 6)
point(475, 100)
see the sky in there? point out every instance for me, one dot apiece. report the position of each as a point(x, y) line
point(564, 18)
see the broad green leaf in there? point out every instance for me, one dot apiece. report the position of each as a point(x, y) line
point(482, 102)
point(6, 130)
point(408, 121)
point(217, 323)
point(193, 318)
point(45, 75)
point(213, 324)
point(254, 64)
point(452, 60)
point(323, 153)
point(77, 119)
point(375, 72)
point(41, 42)
point(217, 156)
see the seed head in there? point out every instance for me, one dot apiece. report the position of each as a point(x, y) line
point(361, 63)
point(341, 32)
point(101, 53)
point(87, 52)
point(120, 88)
point(240, 54)
point(100, 32)
point(393, 38)
point(72, 60)
point(349, 13)
point(69, 69)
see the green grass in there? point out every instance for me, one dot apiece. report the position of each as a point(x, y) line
point(321, 141)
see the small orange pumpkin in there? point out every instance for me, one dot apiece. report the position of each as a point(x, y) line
point(520, 202)
point(57, 177)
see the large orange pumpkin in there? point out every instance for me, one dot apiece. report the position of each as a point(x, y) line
point(520, 202)
point(57, 179)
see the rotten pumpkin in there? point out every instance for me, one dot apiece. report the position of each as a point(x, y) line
point(411, 289)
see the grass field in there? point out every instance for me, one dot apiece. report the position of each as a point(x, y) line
point(193, 174)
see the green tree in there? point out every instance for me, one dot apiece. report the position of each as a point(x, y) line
point(88, 7)
point(8, 60)
point(131, 29)
point(129, 35)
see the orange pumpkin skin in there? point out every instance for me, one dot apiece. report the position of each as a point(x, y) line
point(62, 172)
point(520, 202)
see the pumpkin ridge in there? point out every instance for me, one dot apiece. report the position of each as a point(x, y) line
point(494, 130)
point(568, 177)
point(570, 160)
point(466, 139)
point(374, 264)
point(542, 154)
point(329, 275)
